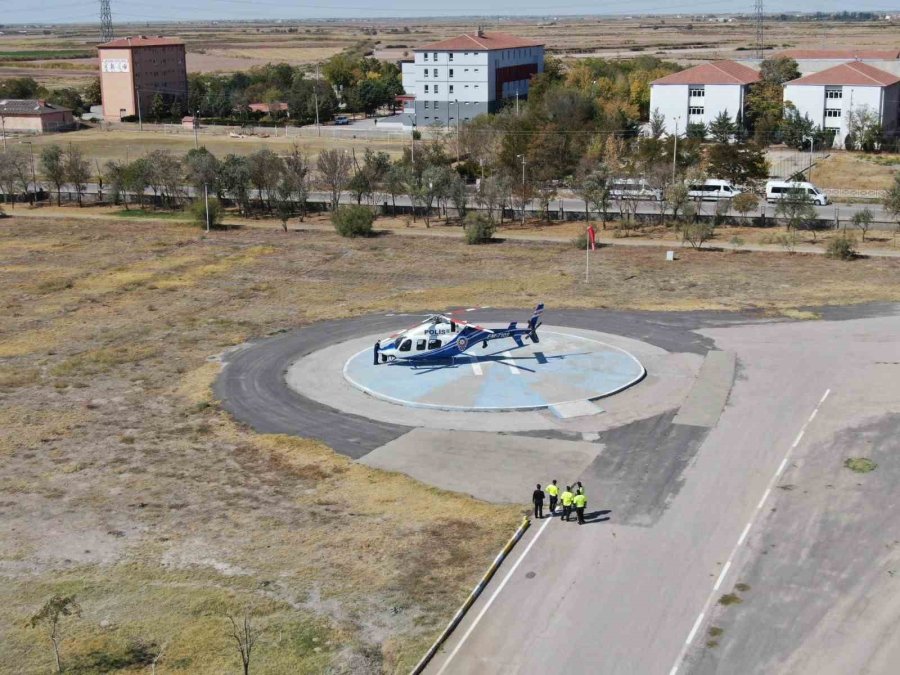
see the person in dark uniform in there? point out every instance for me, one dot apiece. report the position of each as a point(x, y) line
point(537, 497)
point(375, 351)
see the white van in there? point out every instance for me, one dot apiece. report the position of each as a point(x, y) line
point(713, 190)
point(779, 189)
point(633, 188)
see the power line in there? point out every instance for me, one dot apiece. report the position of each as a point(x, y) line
point(106, 29)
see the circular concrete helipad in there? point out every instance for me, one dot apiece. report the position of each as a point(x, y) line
point(562, 369)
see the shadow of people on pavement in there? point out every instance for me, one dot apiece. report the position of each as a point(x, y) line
point(597, 516)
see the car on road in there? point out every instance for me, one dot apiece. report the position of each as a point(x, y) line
point(341, 120)
point(777, 190)
point(713, 189)
point(633, 188)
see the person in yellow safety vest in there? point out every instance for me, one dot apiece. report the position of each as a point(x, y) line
point(567, 497)
point(553, 494)
point(580, 501)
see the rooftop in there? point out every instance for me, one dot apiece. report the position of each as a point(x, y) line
point(28, 106)
point(479, 41)
point(842, 54)
point(853, 73)
point(141, 41)
point(714, 72)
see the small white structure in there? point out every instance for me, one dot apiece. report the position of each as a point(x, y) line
point(700, 94)
point(462, 77)
point(829, 96)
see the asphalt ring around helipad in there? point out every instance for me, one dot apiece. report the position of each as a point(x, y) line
point(563, 368)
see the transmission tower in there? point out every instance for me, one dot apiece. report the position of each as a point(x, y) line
point(106, 33)
point(760, 36)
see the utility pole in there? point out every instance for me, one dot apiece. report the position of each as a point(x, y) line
point(457, 131)
point(196, 128)
point(140, 114)
point(523, 188)
point(316, 98)
point(3, 129)
point(675, 150)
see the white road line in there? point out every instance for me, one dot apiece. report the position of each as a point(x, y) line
point(476, 367)
point(471, 309)
point(512, 366)
point(722, 576)
point(493, 597)
point(740, 541)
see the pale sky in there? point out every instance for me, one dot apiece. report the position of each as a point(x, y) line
point(130, 11)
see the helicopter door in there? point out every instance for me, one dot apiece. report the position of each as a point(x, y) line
point(406, 345)
point(420, 345)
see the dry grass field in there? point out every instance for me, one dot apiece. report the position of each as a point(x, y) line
point(226, 47)
point(122, 482)
point(857, 170)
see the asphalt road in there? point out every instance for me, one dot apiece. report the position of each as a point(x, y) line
point(680, 515)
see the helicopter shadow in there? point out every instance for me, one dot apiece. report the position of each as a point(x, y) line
point(495, 357)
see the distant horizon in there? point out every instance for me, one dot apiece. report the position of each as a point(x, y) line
point(130, 12)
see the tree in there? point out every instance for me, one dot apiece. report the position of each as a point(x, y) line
point(696, 130)
point(796, 130)
point(797, 211)
point(745, 203)
point(296, 177)
point(14, 172)
point(864, 130)
point(891, 201)
point(778, 70)
point(246, 637)
point(77, 170)
point(737, 163)
point(116, 176)
point(459, 195)
point(657, 124)
point(51, 615)
point(91, 94)
point(479, 229)
point(334, 168)
point(235, 181)
point(697, 233)
point(164, 175)
point(862, 221)
point(158, 107)
point(722, 128)
point(265, 169)
point(198, 210)
point(394, 183)
point(202, 170)
point(677, 196)
point(53, 166)
point(765, 101)
point(353, 220)
point(138, 177)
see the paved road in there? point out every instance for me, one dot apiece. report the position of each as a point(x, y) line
point(680, 514)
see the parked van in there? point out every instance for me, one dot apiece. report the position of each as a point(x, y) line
point(779, 189)
point(713, 190)
point(633, 188)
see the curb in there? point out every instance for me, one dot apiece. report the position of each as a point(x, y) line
point(473, 596)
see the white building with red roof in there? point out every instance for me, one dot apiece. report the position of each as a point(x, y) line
point(829, 96)
point(700, 94)
point(469, 75)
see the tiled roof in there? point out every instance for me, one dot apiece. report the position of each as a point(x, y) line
point(853, 73)
point(715, 72)
point(141, 41)
point(476, 42)
point(842, 54)
point(28, 106)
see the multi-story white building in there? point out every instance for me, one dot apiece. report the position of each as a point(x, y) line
point(466, 76)
point(829, 96)
point(700, 94)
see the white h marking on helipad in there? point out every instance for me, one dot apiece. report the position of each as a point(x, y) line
point(476, 367)
point(512, 366)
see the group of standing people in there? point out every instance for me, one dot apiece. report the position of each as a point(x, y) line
point(571, 499)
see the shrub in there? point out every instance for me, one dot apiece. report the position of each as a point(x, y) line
point(841, 247)
point(479, 229)
point(697, 233)
point(216, 212)
point(581, 241)
point(353, 221)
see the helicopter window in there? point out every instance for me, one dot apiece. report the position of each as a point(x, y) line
point(420, 345)
point(434, 344)
point(452, 326)
point(405, 345)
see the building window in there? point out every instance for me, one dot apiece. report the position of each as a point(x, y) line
point(426, 72)
point(435, 89)
point(833, 112)
point(695, 111)
point(836, 92)
point(426, 88)
point(451, 72)
point(435, 72)
point(426, 56)
point(451, 56)
point(435, 56)
point(426, 105)
point(451, 88)
point(697, 92)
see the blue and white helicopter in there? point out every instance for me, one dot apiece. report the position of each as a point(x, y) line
point(442, 337)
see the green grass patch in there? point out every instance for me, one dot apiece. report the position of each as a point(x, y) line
point(39, 54)
point(104, 359)
point(743, 588)
point(730, 599)
point(152, 215)
point(860, 464)
point(715, 631)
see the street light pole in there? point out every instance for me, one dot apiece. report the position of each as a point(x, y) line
point(675, 150)
point(457, 131)
point(3, 126)
point(316, 97)
point(523, 188)
point(196, 127)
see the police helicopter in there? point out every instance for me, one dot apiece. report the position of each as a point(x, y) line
point(442, 337)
